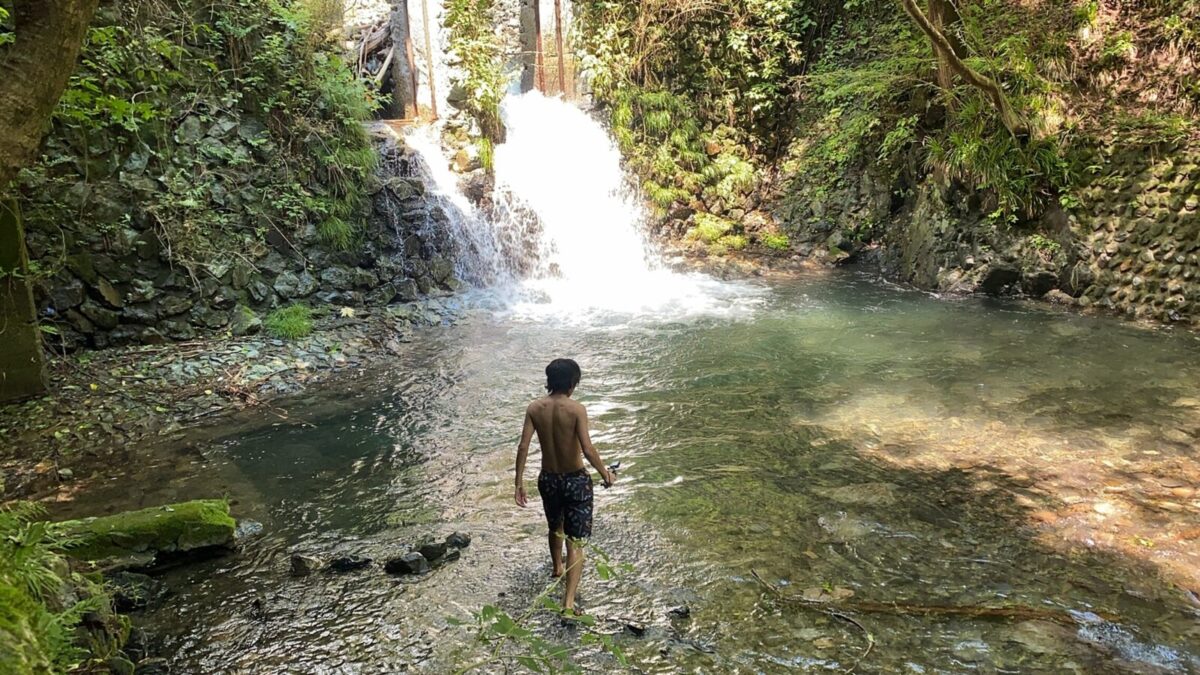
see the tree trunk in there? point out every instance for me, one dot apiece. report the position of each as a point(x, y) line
point(34, 71)
point(944, 50)
point(21, 373)
point(944, 17)
point(404, 92)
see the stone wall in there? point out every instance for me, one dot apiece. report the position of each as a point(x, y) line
point(1129, 241)
point(1140, 220)
point(124, 288)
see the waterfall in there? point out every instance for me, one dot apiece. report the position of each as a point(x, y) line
point(565, 239)
point(480, 260)
point(560, 188)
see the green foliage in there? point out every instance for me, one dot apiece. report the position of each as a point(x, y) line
point(7, 36)
point(486, 152)
point(479, 51)
point(1148, 127)
point(1087, 12)
point(1022, 177)
point(1042, 243)
point(734, 242)
point(709, 228)
point(289, 323)
point(38, 621)
point(218, 125)
point(776, 242)
point(1118, 48)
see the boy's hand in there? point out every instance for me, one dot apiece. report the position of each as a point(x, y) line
point(609, 478)
point(520, 497)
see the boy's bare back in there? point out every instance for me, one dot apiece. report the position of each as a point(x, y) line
point(558, 421)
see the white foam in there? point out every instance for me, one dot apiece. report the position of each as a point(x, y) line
point(560, 187)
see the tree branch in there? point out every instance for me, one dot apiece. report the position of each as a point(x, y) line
point(1015, 124)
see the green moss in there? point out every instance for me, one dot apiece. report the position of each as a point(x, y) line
point(290, 323)
point(734, 242)
point(777, 242)
point(178, 527)
point(709, 228)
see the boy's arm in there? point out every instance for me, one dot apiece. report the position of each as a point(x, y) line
point(523, 455)
point(589, 450)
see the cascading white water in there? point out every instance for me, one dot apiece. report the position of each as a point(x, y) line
point(480, 260)
point(560, 187)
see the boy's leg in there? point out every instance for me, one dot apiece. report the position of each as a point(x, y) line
point(558, 542)
point(577, 525)
point(574, 572)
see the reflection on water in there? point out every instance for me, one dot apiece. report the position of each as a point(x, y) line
point(844, 438)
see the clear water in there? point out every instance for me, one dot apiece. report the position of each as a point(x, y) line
point(838, 435)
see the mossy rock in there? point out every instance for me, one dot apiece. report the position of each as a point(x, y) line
point(177, 528)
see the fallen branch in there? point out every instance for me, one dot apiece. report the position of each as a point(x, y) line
point(816, 606)
point(1010, 613)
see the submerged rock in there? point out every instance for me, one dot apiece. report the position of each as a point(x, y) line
point(348, 563)
point(303, 565)
point(863, 494)
point(409, 563)
point(132, 591)
point(433, 551)
point(458, 540)
point(248, 529)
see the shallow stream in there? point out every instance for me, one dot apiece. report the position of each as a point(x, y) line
point(843, 439)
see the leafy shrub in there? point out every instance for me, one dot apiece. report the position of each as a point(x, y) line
point(479, 52)
point(37, 633)
point(290, 323)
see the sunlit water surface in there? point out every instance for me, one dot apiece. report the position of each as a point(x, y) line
point(837, 436)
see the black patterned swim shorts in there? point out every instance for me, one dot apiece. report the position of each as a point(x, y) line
point(567, 499)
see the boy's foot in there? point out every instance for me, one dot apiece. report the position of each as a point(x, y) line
point(558, 572)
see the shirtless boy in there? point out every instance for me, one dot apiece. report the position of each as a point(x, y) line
point(564, 483)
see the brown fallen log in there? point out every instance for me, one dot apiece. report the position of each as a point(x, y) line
point(1007, 613)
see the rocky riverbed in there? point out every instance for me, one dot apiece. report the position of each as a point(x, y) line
point(104, 403)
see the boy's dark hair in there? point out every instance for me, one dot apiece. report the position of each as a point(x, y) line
point(562, 375)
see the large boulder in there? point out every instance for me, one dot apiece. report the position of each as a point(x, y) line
point(999, 278)
point(291, 285)
point(151, 536)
